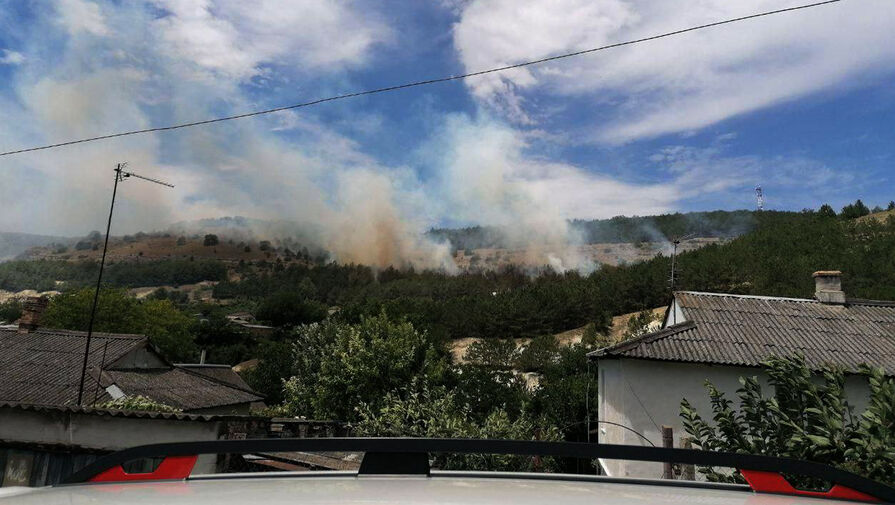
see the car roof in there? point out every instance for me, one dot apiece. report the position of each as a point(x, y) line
point(485, 488)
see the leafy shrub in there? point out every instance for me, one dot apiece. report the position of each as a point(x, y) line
point(804, 419)
point(538, 354)
point(338, 367)
point(420, 410)
point(137, 402)
point(10, 310)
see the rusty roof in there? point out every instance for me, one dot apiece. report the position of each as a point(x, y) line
point(743, 330)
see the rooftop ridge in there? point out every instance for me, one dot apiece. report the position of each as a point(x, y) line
point(849, 301)
point(646, 338)
point(77, 333)
point(215, 380)
point(754, 297)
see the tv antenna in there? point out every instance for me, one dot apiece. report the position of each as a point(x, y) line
point(759, 197)
point(120, 176)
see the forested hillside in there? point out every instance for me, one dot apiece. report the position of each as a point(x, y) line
point(14, 244)
point(719, 224)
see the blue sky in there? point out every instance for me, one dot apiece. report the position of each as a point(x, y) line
point(801, 103)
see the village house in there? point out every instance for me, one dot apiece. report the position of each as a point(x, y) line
point(40, 366)
point(46, 435)
point(722, 337)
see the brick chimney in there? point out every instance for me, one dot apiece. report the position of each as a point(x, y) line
point(32, 309)
point(828, 287)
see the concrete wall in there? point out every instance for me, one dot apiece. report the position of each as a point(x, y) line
point(103, 432)
point(644, 395)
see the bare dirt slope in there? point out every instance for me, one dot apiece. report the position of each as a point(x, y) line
point(157, 247)
point(570, 337)
point(879, 216)
point(607, 254)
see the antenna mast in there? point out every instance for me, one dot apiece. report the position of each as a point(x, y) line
point(759, 197)
point(120, 175)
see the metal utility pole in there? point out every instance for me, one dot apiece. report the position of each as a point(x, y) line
point(120, 175)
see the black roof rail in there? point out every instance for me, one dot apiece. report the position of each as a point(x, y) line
point(410, 456)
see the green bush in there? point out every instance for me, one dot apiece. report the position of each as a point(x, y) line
point(10, 310)
point(805, 418)
point(338, 367)
point(137, 402)
point(420, 410)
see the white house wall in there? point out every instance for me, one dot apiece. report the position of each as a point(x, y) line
point(644, 395)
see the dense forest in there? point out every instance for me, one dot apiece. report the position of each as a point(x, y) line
point(379, 355)
point(47, 275)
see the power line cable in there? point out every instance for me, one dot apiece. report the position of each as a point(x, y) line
point(418, 83)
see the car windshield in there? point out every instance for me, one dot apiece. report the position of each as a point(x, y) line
point(631, 223)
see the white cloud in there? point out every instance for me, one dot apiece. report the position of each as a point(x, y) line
point(674, 84)
point(10, 57)
point(82, 16)
point(235, 39)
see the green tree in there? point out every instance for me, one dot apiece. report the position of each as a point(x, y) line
point(338, 366)
point(854, 210)
point(494, 353)
point(422, 410)
point(891, 205)
point(211, 240)
point(805, 418)
point(826, 211)
point(116, 312)
point(274, 366)
point(290, 308)
point(567, 388)
point(539, 354)
point(640, 324)
point(167, 328)
point(223, 341)
point(10, 310)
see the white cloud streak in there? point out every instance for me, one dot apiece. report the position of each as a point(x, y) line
point(8, 57)
point(675, 84)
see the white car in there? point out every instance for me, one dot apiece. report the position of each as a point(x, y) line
point(396, 471)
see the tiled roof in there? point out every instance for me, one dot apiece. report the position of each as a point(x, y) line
point(745, 330)
point(178, 388)
point(44, 366)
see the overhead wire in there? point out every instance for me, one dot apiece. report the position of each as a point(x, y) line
point(418, 83)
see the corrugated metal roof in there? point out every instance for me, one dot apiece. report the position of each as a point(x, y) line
point(178, 388)
point(222, 373)
point(43, 367)
point(746, 330)
point(139, 414)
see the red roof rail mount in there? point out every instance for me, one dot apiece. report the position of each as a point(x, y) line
point(773, 482)
point(172, 467)
point(402, 456)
